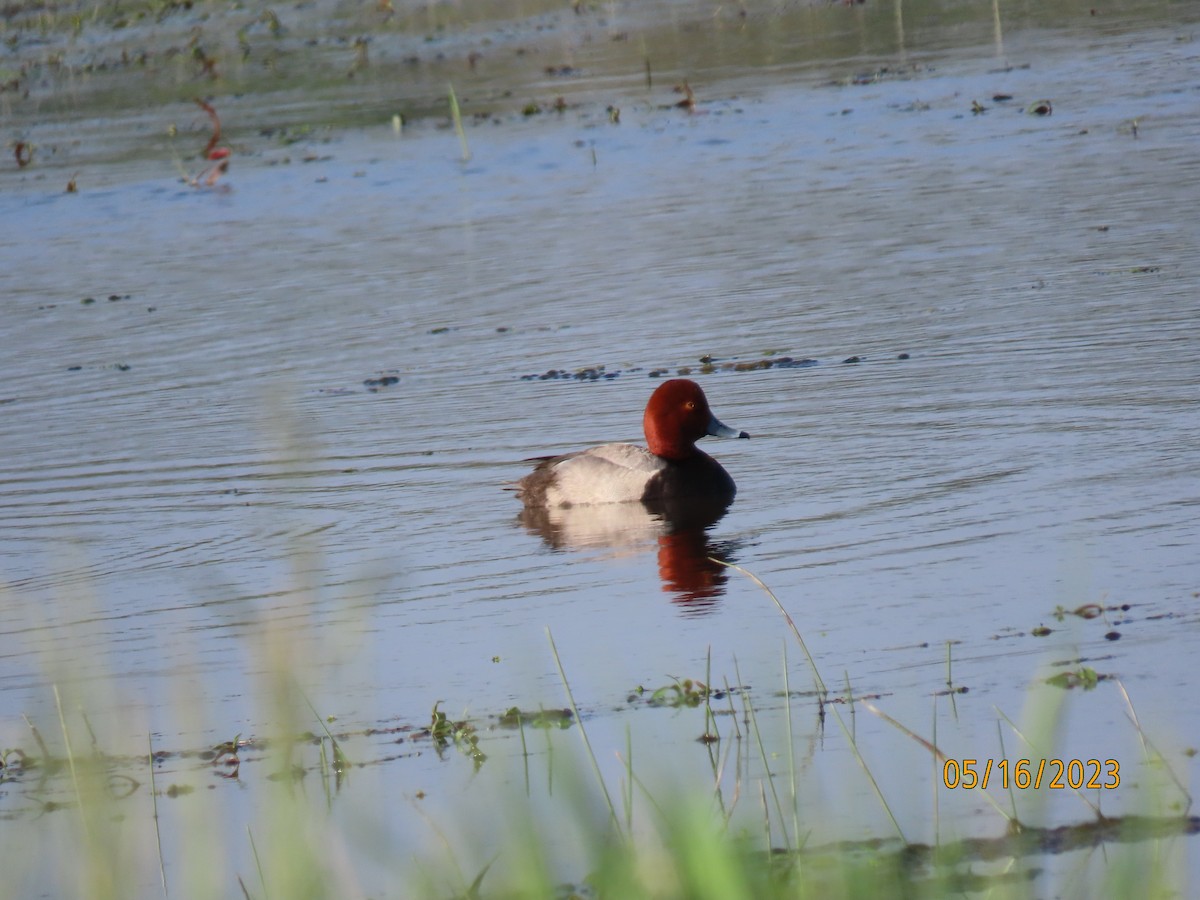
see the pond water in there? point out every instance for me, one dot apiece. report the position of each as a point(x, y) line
point(991, 409)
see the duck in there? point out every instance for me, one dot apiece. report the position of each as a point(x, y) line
point(669, 469)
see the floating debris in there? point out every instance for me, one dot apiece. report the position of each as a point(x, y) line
point(217, 156)
point(689, 100)
point(708, 366)
point(112, 298)
point(374, 384)
point(590, 373)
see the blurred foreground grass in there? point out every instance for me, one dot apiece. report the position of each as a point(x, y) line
point(300, 812)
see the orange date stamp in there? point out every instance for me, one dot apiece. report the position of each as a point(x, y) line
point(1025, 774)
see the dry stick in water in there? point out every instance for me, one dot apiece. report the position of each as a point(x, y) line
point(218, 156)
point(37, 736)
point(711, 732)
point(216, 127)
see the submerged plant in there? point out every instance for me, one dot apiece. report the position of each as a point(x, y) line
point(1084, 677)
point(461, 734)
point(681, 692)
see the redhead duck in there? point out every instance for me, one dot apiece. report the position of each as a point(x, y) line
point(677, 416)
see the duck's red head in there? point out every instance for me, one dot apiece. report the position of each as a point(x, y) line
point(677, 416)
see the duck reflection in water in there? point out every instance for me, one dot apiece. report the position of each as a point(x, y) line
point(679, 534)
point(625, 498)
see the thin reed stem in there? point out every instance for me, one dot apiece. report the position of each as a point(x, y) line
point(456, 115)
point(612, 810)
point(821, 689)
point(950, 681)
point(935, 781)
point(1030, 744)
point(628, 778)
point(1148, 747)
point(1012, 797)
point(791, 742)
point(262, 878)
point(867, 769)
point(766, 762)
point(162, 869)
point(62, 723)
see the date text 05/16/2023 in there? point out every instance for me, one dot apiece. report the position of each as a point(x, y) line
point(1056, 774)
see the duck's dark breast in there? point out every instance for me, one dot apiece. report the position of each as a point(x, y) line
point(697, 476)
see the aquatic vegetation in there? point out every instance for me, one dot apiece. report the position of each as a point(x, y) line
point(681, 692)
point(515, 717)
point(1084, 677)
point(461, 734)
point(456, 118)
point(654, 841)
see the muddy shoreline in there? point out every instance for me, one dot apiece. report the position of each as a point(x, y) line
point(86, 85)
